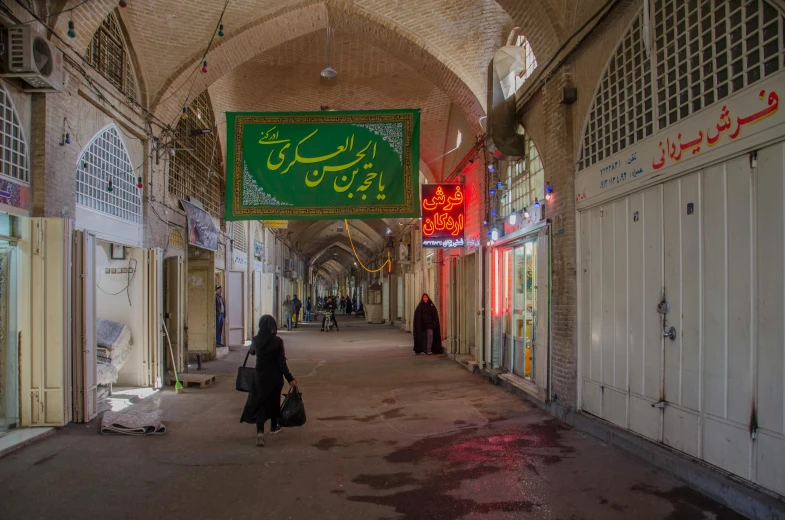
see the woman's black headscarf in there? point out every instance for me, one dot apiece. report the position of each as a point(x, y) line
point(268, 329)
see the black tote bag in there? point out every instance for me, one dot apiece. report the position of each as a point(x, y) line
point(244, 376)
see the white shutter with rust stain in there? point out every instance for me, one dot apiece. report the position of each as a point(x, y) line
point(45, 254)
point(84, 377)
point(153, 284)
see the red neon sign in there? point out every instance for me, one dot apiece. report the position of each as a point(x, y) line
point(443, 215)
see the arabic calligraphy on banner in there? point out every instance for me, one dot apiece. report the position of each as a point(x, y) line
point(13, 194)
point(322, 165)
point(277, 224)
point(738, 117)
point(443, 215)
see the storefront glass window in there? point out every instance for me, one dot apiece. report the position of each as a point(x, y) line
point(518, 267)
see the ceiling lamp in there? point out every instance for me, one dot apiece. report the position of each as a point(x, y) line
point(329, 76)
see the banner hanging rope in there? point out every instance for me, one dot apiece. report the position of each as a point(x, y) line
point(351, 242)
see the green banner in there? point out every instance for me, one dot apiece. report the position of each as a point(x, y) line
point(322, 165)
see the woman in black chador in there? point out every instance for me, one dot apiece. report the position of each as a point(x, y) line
point(264, 398)
point(427, 329)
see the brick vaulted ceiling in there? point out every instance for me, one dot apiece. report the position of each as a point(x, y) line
point(428, 54)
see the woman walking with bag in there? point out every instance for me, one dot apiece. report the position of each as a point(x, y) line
point(264, 396)
point(427, 329)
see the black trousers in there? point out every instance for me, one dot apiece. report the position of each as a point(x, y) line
point(262, 420)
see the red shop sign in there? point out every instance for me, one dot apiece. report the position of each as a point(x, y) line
point(443, 215)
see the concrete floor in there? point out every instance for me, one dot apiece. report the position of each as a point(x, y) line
point(389, 436)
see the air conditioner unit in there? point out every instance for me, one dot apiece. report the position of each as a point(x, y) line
point(287, 274)
point(286, 264)
point(33, 59)
point(294, 275)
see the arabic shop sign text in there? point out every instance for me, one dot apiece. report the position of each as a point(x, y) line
point(443, 215)
point(323, 165)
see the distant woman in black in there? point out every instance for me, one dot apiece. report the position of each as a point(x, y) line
point(264, 398)
point(427, 329)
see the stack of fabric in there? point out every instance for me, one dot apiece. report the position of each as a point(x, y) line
point(114, 346)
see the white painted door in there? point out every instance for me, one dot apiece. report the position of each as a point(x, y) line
point(235, 308)
point(386, 300)
point(268, 295)
point(154, 317)
point(711, 245)
point(257, 300)
point(85, 389)
point(45, 320)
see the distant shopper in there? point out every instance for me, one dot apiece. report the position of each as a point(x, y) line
point(220, 314)
point(308, 309)
point(288, 308)
point(349, 307)
point(427, 329)
point(297, 306)
point(330, 306)
point(264, 398)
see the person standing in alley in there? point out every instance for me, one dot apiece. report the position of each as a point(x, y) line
point(264, 397)
point(427, 329)
point(330, 306)
point(298, 305)
point(308, 309)
point(220, 314)
point(288, 308)
point(349, 307)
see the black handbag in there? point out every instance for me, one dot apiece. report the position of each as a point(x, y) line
point(244, 376)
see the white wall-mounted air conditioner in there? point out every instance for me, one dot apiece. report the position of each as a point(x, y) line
point(294, 275)
point(287, 273)
point(33, 59)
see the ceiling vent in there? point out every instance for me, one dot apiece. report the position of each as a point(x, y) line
point(33, 59)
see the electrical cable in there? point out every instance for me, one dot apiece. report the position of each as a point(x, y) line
point(124, 289)
point(351, 242)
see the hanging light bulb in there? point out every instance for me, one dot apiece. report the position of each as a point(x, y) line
point(526, 212)
point(67, 139)
point(109, 186)
point(499, 184)
point(491, 168)
point(494, 234)
point(493, 212)
point(536, 202)
point(123, 3)
point(84, 165)
point(184, 116)
point(548, 191)
point(139, 183)
point(221, 30)
point(71, 30)
point(492, 192)
point(204, 67)
point(513, 219)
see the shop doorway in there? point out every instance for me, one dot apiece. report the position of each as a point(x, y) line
point(174, 313)
point(235, 308)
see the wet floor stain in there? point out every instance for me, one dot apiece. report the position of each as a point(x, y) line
point(389, 401)
point(44, 460)
point(364, 419)
point(469, 455)
point(389, 481)
point(688, 504)
point(395, 413)
point(328, 443)
point(613, 505)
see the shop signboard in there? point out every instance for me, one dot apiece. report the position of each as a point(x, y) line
point(201, 230)
point(443, 215)
point(322, 165)
point(740, 121)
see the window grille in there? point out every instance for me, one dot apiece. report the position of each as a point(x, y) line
point(530, 62)
point(622, 112)
point(238, 231)
point(706, 51)
point(176, 239)
point(106, 160)
point(12, 142)
point(108, 53)
point(197, 172)
point(525, 180)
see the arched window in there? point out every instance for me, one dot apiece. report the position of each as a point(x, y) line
point(525, 180)
point(198, 172)
point(105, 178)
point(108, 53)
point(176, 239)
point(702, 52)
point(530, 61)
point(13, 149)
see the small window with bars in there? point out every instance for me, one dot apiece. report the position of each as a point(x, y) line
point(622, 112)
point(108, 53)
point(706, 51)
point(196, 171)
point(238, 232)
point(529, 63)
point(525, 180)
point(13, 149)
point(176, 239)
point(105, 179)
